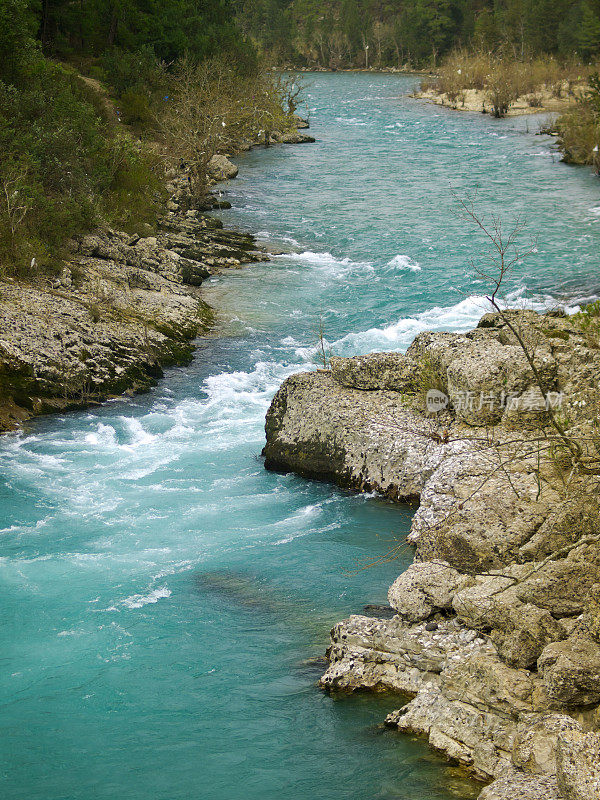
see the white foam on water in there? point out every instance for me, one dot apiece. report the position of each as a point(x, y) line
point(460, 317)
point(140, 600)
point(403, 262)
point(140, 438)
point(351, 121)
point(105, 435)
point(301, 515)
point(327, 262)
point(595, 210)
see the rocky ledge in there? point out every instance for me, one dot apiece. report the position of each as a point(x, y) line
point(123, 306)
point(496, 635)
point(121, 309)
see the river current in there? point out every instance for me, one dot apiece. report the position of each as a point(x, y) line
point(165, 600)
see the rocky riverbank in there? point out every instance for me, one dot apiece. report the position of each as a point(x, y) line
point(122, 306)
point(496, 635)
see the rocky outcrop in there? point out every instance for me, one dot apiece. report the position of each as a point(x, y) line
point(425, 587)
point(390, 654)
point(497, 629)
point(360, 440)
point(220, 168)
point(290, 137)
point(121, 309)
point(122, 306)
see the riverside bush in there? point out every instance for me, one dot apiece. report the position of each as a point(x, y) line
point(505, 79)
point(579, 128)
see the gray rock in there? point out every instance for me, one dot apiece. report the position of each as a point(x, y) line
point(220, 168)
point(482, 377)
point(381, 654)
point(359, 440)
point(571, 671)
point(515, 785)
point(590, 624)
point(291, 137)
point(519, 630)
point(424, 588)
point(536, 742)
point(393, 371)
point(578, 765)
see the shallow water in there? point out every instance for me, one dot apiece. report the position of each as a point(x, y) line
point(163, 597)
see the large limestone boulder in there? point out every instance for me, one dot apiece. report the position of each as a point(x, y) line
point(536, 742)
point(437, 350)
point(590, 623)
point(291, 137)
point(566, 522)
point(393, 371)
point(515, 785)
point(360, 440)
point(477, 738)
point(485, 682)
point(220, 168)
point(486, 373)
point(425, 587)
point(378, 654)
point(475, 515)
point(519, 630)
point(571, 671)
point(482, 379)
point(578, 765)
point(472, 712)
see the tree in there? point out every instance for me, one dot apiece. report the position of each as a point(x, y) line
point(17, 30)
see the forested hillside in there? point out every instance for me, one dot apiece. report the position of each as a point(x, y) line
point(70, 75)
point(338, 33)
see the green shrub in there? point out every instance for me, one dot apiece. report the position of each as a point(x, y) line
point(65, 167)
point(579, 128)
point(135, 109)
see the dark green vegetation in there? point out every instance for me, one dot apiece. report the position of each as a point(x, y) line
point(67, 161)
point(385, 33)
point(579, 128)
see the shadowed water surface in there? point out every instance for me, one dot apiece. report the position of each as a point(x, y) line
point(163, 597)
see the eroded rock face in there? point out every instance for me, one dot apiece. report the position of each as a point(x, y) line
point(537, 740)
point(519, 630)
point(497, 635)
point(369, 653)
point(360, 440)
point(290, 137)
point(515, 785)
point(393, 371)
point(571, 671)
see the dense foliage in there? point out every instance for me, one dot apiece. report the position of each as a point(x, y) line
point(67, 162)
point(417, 32)
point(171, 28)
point(579, 128)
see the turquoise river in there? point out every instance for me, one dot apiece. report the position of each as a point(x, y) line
point(165, 600)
